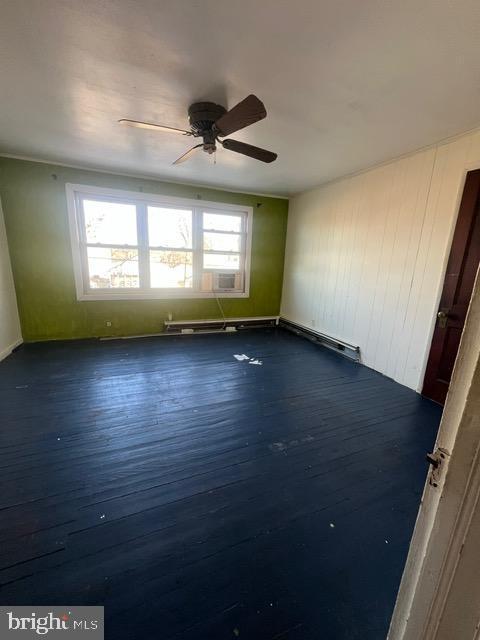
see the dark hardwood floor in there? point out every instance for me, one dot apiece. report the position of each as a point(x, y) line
point(200, 497)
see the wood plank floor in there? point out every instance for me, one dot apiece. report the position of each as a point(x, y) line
point(200, 497)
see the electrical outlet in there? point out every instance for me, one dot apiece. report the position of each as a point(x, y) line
point(108, 323)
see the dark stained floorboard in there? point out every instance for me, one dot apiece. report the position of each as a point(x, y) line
point(194, 495)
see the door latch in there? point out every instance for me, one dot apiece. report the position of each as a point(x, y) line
point(437, 460)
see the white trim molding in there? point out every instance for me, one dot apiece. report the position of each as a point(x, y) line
point(8, 350)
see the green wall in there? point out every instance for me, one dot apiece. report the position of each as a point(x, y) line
point(35, 210)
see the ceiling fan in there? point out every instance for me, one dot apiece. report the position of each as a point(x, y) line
point(211, 122)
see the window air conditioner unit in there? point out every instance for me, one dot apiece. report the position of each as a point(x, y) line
point(224, 281)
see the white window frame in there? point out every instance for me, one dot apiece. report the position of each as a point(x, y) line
point(75, 192)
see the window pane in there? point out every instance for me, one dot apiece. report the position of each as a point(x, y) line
point(110, 222)
point(221, 242)
point(170, 228)
point(112, 268)
point(171, 269)
point(222, 222)
point(219, 261)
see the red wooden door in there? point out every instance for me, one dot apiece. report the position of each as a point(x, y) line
point(457, 290)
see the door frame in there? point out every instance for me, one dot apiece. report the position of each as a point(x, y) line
point(466, 217)
point(449, 498)
point(433, 322)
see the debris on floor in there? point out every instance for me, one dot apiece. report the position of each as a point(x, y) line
point(283, 446)
point(241, 357)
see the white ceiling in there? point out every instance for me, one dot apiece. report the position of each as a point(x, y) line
point(347, 84)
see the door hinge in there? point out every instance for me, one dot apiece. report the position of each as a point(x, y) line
point(438, 463)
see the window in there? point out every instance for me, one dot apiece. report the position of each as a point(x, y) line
point(133, 245)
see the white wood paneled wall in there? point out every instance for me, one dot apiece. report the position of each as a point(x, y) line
point(366, 255)
point(10, 333)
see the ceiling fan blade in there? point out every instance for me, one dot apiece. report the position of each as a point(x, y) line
point(249, 150)
point(154, 127)
point(187, 154)
point(241, 115)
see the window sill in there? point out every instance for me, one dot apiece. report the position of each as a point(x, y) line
point(173, 295)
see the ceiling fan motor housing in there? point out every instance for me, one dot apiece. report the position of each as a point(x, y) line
point(203, 115)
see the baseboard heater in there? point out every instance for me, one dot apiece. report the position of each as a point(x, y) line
point(344, 348)
point(219, 324)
